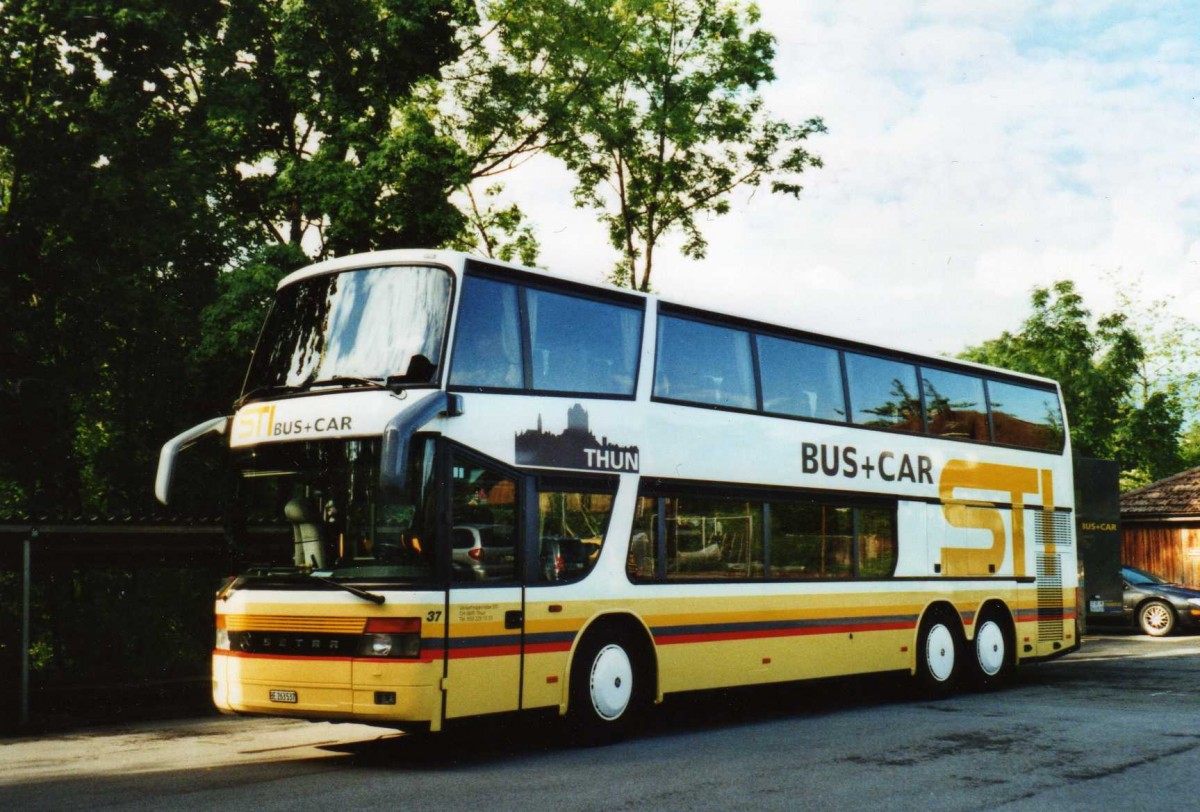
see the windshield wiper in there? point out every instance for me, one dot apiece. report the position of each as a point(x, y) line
point(309, 385)
point(347, 380)
point(268, 572)
point(269, 389)
point(353, 590)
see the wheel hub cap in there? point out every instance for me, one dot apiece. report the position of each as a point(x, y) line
point(939, 652)
point(1156, 617)
point(989, 648)
point(611, 683)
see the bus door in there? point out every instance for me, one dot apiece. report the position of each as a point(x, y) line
point(485, 609)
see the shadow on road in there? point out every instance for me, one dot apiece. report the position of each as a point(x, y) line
point(491, 741)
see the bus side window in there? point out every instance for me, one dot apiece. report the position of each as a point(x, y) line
point(582, 345)
point(800, 379)
point(572, 524)
point(955, 405)
point(811, 541)
point(883, 393)
point(483, 506)
point(715, 538)
point(704, 363)
point(487, 343)
point(726, 539)
point(639, 566)
point(1025, 417)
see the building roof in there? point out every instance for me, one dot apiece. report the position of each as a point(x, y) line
point(1176, 496)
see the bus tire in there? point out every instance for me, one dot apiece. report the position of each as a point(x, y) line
point(610, 687)
point(940, 650)
point(994, 649)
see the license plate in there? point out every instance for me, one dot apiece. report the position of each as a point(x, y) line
point(283, 696)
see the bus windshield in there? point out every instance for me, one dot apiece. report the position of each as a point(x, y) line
point(316, 508)
point(372, 324)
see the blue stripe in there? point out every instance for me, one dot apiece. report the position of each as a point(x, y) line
point(488, 641)
point(778, 625)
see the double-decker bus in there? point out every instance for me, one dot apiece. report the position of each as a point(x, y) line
point(461, 487)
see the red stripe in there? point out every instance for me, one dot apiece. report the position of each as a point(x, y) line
point(547, 648)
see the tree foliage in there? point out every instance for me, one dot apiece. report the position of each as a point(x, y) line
point(1170, 363)
point(1168, 379)
point(653, 104)
point(106, 233)
point(497, 231)
point(162, 164)
point(1098, 364)
point(325, 147)
point(323, 143)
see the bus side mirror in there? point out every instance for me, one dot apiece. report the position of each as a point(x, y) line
point(397, 437)
point(171, 449)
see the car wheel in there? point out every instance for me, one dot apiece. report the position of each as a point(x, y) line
point(939, 655)
point(610, 687)
point(1156, 618)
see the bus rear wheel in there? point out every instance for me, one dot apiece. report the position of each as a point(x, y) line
point(992, 664)
point(610, 687)
point(939, 654)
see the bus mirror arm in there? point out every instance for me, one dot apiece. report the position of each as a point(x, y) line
point(171, 449)
point(397, 436)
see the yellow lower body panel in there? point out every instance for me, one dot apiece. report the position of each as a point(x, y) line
point(388, 692)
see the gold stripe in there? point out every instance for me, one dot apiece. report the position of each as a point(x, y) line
point(294, 623)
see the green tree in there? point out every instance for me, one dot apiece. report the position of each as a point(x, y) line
point(1097, 363)
point(326, 147)
point(108, 239)
point(1189, 446)
point(162, 164)
point(653, 104)
point(1171, 344)
point(1168, 381)
point(496, 231)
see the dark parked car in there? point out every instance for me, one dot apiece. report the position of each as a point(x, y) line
point(1158, 607)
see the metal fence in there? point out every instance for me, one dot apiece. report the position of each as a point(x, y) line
point(102, 615)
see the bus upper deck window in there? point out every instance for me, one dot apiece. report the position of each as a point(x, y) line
point(704, 363)
point(883, 393)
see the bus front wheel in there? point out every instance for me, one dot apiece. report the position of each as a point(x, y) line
point(610, 689)
point(939, 654)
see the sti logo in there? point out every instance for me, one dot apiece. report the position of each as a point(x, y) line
point(260, 423)
point(254, 423)
point(1016, 483)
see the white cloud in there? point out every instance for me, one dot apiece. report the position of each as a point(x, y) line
point(975, 150)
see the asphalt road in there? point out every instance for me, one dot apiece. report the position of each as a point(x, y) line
point(1116, 726)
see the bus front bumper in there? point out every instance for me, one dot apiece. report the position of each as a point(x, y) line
point(368, 691)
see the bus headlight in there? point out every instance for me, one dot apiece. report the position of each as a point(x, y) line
point(381, 644)
point(392, 637)
point(222, 639)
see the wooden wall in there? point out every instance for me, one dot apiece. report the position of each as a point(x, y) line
point(1168, 549)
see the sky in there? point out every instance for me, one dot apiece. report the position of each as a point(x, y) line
point(975, 150)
